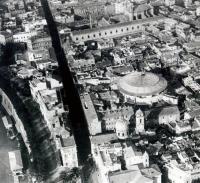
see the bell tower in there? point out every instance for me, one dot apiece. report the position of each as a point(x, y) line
point(139, 121)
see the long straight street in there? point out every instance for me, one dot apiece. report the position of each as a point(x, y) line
point(77, 116)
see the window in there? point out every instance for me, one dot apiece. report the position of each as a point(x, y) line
point(99, 33)
point(94, 35)
point(116, 31)
point(122, 30)
point(105, 33)
point(82, 37)
point(110, 32)
point(88, 36)
point(127, 28)
point(140, 120)
point(76, 39)
point(132, 28)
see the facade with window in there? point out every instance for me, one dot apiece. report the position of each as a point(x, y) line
point(112, 116)
point(116, 30)
point(139, 120)
point(41, 43)
point(23, 37)
point(177, 174)
point(121, 128)
point(169, 114)
point(133, 156)
point(69, 153)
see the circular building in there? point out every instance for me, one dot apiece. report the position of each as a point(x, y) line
point(142, 87)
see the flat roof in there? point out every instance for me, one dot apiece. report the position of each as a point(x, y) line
point(68, 142)
point(90, 112)
point(103, 138)
point(151, 172)
point(15, 160)
point(128, 176)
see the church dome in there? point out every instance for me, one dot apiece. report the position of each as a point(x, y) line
point(121, 125)
point(142, 84)
point(121, 128)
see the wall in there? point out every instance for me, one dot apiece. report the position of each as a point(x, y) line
point(115, 30)
point(23, 36)
point(2, 39)
point(166, 118)
point(176, 175)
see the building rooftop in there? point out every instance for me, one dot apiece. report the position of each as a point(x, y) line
point(142, 84)
point(5, 33)
point(128, 176)
point(68, 142)
point(103, 138)
point(131, 151)
point(90, 112)
point(15, 160)
point(169, 110)
point(150, 172)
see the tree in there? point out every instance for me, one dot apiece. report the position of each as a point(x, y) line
point(73, 175)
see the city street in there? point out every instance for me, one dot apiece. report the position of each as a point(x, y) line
point(6, 145)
